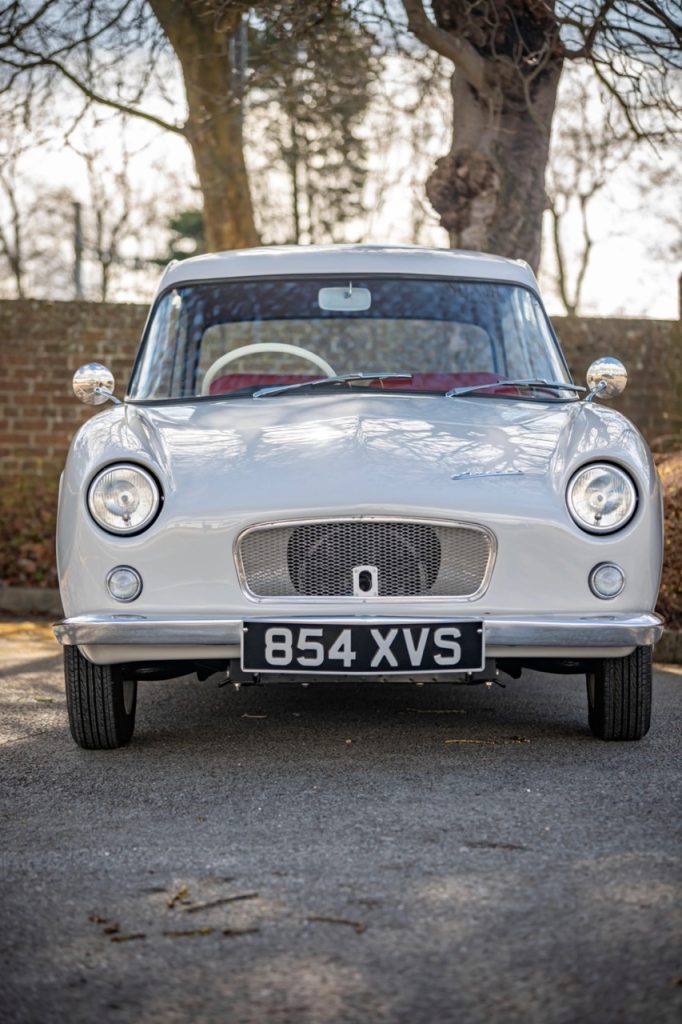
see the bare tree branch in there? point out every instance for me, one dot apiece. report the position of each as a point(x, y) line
point(462, 54)
point(592, 32)
point(39, 60)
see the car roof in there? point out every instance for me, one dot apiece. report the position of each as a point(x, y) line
point(285, 260)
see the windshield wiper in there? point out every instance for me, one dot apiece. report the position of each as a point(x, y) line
point(343, 378)
point(532, 383)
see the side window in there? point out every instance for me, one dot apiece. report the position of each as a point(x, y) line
point(178, 354)
point(155, 373)
point(530, 347)
point(517, 333)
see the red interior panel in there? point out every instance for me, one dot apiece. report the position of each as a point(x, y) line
point(420, 381)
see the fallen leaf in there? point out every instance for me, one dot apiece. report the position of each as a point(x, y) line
point(219, 902)
point(494, 846)
point(483, 742)
point(493, 742)
point(357, 926)
point(111, 929)
point(181, 896)
point(44, 700)
point(189, 933)
point(96, 919)
point(438, 711)
point(127, 938)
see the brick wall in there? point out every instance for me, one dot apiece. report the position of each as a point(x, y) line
point(652, 353)
point(42, 343)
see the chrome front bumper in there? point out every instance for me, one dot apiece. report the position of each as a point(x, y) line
point(543, 632)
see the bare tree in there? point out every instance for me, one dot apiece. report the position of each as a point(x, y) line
point(112, 206)
point(309, 111)
point(121, 215)
point(589, 143)
point(38, 248)
point(663, 180)
point(17, 201)
point(110, 51)
point(203, 35)
point(114, 53)
point(11, 230)
point(405, 127)
point(508, 56)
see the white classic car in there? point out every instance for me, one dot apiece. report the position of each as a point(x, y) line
point(355, 462)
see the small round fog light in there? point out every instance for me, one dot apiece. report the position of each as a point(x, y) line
point(124, 583)
point(607, 580)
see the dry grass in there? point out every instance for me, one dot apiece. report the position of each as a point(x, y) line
point(27, 525)
point(670, 597)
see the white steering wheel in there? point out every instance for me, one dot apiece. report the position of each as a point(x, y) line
point(265, 346)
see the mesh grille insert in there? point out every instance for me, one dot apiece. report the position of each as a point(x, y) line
point(411, 559)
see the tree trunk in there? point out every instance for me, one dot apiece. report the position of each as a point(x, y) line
point(490, 189)
point(200, 36)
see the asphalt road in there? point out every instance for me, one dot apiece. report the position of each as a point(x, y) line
point(386, 873)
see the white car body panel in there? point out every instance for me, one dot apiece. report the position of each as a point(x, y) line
point(227, 465)
point(411, 261)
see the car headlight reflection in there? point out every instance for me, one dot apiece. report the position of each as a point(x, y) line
point(601, 498)
point(124, 499)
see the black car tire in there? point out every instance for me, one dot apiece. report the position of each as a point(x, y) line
point(619, 696)
point(100, 701)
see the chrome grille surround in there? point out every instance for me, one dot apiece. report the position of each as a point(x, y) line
point(313, 559)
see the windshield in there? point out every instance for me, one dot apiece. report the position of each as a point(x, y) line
point(232, 337)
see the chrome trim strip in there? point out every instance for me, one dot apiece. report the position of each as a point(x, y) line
point(361, 518)
point(500, 631)
point(155, 630)
point(583, 631)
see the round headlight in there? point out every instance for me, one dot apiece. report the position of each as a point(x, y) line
point(123, 499)
point(601, 498)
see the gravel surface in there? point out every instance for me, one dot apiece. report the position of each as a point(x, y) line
point(359, 854)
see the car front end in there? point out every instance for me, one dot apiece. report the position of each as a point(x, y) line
point(447, 511)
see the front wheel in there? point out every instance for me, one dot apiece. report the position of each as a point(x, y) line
point(101, 703)
point(619, 696)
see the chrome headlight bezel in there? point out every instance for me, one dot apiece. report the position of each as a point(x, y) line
point(617, 473)
point(146, 481)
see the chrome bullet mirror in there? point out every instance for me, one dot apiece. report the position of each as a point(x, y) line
point(94, 384)
point(606, 378)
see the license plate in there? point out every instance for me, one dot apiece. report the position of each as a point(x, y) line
point(335, 648)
